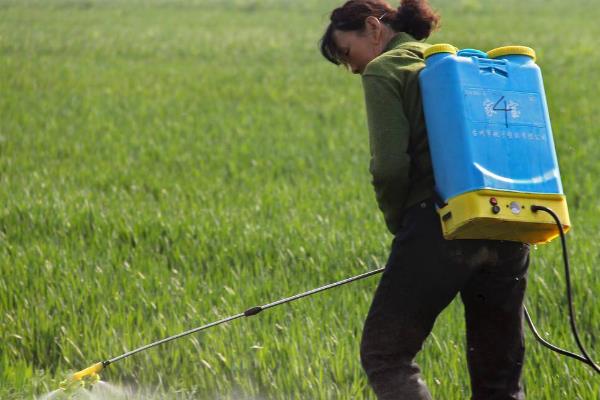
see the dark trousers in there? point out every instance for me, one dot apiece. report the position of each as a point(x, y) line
point(422, 276)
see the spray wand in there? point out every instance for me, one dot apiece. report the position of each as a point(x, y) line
point(91, 373)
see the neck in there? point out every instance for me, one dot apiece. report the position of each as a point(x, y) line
point(387, 35)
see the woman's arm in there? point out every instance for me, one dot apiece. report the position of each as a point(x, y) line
point(389, 132)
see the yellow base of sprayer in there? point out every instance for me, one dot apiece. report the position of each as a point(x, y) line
point(501, 215)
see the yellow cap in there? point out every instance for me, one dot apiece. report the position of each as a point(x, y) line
point(512, 50)
point(439, 48)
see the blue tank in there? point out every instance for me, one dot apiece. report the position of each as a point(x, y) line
point(487, 122)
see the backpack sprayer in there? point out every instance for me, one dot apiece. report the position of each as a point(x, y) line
point(494, 163)
point(493, 153)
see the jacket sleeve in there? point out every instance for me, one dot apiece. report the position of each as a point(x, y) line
point(389, 133)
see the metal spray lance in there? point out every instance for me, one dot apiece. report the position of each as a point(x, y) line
point(92, 372)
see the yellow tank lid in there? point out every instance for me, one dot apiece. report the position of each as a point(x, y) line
point(439, 48)
point(512, 50)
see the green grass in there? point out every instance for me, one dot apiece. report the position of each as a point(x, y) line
point(164, 164)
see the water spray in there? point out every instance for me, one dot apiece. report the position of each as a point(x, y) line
point(90, 375)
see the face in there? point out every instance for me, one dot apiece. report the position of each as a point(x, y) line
point(358, 48)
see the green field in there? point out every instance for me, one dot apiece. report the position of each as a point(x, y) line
point(164, 164)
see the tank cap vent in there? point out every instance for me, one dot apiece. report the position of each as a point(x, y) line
point(512, 51)
point(472, 53)
point(440, 48)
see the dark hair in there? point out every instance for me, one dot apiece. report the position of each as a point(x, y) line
point(415, 17)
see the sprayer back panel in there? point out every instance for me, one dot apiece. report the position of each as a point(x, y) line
point(491, 144)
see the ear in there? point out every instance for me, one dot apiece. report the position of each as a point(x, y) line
point(373, 28)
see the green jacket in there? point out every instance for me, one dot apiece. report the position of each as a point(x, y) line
point(400, 160)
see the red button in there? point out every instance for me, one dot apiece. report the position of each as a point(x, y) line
point(493, 201)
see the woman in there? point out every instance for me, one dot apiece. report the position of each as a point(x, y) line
point(424, 272)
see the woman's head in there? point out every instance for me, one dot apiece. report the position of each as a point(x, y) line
point(360, 29)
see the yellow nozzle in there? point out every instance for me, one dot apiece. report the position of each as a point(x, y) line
point(89, 371)
point(78, 377)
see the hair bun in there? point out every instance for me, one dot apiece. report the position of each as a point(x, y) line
point(417, 18)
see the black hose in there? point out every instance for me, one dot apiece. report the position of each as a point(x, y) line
point(549, 345)
point(586, 356)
